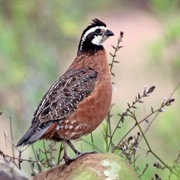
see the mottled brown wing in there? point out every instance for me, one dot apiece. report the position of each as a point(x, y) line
point(60, 101)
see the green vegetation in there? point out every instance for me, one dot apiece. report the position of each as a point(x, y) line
point(38, 40)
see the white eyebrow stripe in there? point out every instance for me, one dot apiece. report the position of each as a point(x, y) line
point(90, 31)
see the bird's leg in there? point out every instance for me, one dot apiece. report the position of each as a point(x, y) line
point(76, 151)
point(67, 159)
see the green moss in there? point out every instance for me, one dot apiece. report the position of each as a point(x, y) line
point(103, 167)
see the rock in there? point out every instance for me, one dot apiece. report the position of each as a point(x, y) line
point(9, 171)
point(92, 166)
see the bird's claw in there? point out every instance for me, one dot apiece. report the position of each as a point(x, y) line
point(69, 160)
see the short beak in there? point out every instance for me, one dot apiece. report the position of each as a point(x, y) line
point(109, 33)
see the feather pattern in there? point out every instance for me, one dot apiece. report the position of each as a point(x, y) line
point(80, 99)
point(60, 101)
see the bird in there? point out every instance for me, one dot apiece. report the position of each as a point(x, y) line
point(80, 99)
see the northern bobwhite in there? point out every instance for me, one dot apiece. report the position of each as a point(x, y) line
point(79, 100)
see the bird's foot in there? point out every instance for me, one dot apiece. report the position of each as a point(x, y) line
point(85, 153)
point(69, 160)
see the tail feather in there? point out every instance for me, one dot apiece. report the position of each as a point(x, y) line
point(31, 136)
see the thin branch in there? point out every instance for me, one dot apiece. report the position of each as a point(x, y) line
point(5, 156)
point(138, 99)
point(59, 154)
point(92, 140)
point(116, 49)
point(11, 134)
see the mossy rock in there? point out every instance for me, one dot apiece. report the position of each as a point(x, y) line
point(92, 167)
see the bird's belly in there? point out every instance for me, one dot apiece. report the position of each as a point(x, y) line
point(89, 114)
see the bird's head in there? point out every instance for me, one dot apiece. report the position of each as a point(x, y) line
point(93, 36)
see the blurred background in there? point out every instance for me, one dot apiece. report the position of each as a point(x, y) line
point(39, 40)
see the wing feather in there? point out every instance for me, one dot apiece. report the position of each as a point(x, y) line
point(60, 101)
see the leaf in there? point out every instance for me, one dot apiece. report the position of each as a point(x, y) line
point(111, 54)
point(112, 74)
point(134, 107)
point(150, 90)
point(119, 115)
point(119, 47)
point(113, 47)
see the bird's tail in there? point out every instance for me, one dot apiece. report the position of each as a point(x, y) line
point(31, 136)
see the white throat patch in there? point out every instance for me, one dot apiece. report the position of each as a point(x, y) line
point(97, 40)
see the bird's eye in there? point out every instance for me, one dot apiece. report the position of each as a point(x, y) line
point(98, 31)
